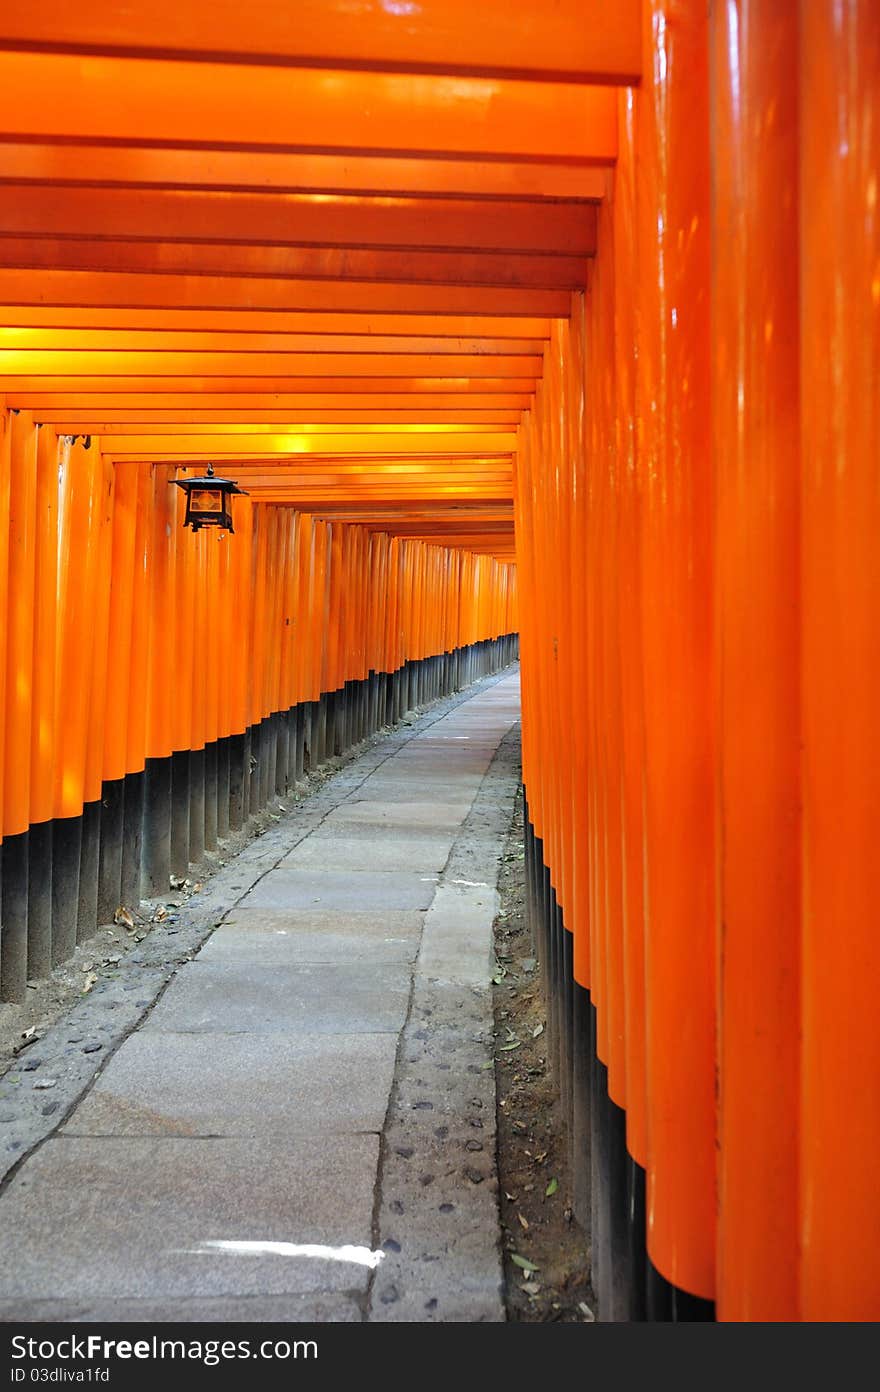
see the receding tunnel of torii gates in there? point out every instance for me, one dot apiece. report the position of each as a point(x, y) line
point(411, 429)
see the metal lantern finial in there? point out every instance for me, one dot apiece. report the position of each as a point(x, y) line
point(208, 500)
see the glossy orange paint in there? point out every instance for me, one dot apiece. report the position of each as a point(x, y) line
point(840, 672)
point(573, 41)
point(757, 459)
point(140, 166)
point(213, 106)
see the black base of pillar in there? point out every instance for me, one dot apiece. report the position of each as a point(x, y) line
point(90, 854)
point(580, 1107)
point(608, 1186)
point(132, 840)
point(237, 781)
point(196, 849)
point(224, 792)
point(14, 912)
point(156, 849)
point(110, 855)
point(66, 848)
point(39, 936)
point(180, 813)
point(211, 795)
point(635, 1224)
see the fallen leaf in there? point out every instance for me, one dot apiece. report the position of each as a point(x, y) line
point(505, 1048)
point(586, 1312)
point(531, 1288)
point(123, 917)
point(89, 982)
point(42, 1083)
point(524, 1222)
point(523, 1263)
point(539, 1029)
point(551, 1188)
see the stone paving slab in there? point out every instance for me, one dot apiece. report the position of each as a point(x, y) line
point(240, 1085)
point(137, 1218)
point(444, 812)
point(232, 997)
point(459, 945)
point(344, 891)
point(273, 935)
point(398, 850)
point(319, 1307)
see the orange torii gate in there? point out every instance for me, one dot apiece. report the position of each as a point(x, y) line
point(563, 322)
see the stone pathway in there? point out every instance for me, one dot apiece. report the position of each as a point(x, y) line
point(302, 1127)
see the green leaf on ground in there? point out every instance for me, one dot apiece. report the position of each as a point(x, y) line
point(551, 1188)
point(523, 1263)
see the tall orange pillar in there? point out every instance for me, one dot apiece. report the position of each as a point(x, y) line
point(677, 621)
point(840, 658)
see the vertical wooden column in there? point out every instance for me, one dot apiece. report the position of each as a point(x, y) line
point(43, 707)
point(677, 620)
point(757, 465)
point(18, 638)
point(840, 657)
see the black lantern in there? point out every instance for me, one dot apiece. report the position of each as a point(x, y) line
point(208, 501)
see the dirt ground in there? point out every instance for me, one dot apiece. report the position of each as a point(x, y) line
point(546, 1257)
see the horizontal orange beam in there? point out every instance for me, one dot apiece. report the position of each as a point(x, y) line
point(384, 441)
point(304, 502)
point(20, 286)
point(419, 432)
point(297, 263)
point(278, 322)
point(156, 341)
point(304, 220)
point(332, 405)
point(324, 490)
point(372, 461)
point(20, 386)
point(63, 96)
point(73, 364)
point(314, 496)
point(570, 40)
point(448, 515)
point(271, 171)
point(416, 514)
point(108, 422)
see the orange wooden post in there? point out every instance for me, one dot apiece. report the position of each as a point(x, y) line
point(18, 704)
point(677, 578)
point(757, 464)
point(43, 707)
point(632, 691)
point(161, 552)
point(100, 544)
point(6, 419)
point(840, 659)
point(114, 732)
